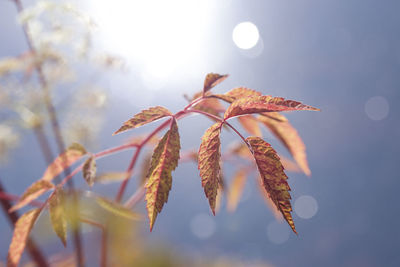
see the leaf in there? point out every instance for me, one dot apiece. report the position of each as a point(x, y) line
point(237, 93)
point(110, 177)
point(64, 160)
point(58, 216)
point(289, 165)
point(257, 104)
point(22, 229)
point(250, 124)
point(209, 163)
point(236, 189)
point(33, 192)
point(212, 79)
point(273, 177)
point(144, 117)
point(145, 168)
point(289, 137)
point(270, 204)
point(241, 150)
point(159, 180)
point(117, 208)
point(209, 105)
point(89, 170)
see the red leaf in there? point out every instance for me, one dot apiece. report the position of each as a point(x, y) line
point(237, 93)
point(289, 138)
point(22, 229)
point(64, 160)
point(144, 117)
point(212, 79)
point(209, 163)
point(258, 104)
point(273, 176)
point(159, 180)
point(33, 192)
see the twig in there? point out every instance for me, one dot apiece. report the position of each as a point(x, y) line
point(103, 253)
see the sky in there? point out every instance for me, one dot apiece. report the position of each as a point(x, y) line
point(340, 56)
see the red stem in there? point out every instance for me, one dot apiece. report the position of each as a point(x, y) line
point(220, 120)
point(134, 159)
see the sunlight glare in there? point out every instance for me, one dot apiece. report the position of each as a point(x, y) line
point(245, 35)
point(157, 36)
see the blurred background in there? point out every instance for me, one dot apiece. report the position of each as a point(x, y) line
point(340, 56)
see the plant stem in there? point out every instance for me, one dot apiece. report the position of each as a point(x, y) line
point(134, 159)
point(32, 247)
point(220, 120)
point(11, 197)
point(103, 253)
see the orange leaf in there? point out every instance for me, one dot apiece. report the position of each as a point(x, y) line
point(270, 204)
point(57, 215)
point(209, 163)
point(110, 177)
point(145, 168)
point(273, 176)
point(289, 165)
point(89, 170)
point(236, 189)
point(32, 193)
point(237, 93)
point(64, 160)
point(257, 104)
point(117, 209)
point(22, 229)
point(250, 124)
point(289, 137)
point(159, 180)
point(241, 150)
point(212, 79)
point(144, 117)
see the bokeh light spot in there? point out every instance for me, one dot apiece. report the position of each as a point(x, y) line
point(306, 207)
point(245, 35)
point(278, 232)
point(202, 226)
point(377, 108)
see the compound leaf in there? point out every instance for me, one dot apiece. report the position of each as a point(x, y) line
point(32, 193)
point(209, 163)
point(289, 137)
point(159, 180)
point(212, 79)
point(144, 117)
point(237, 93)
point(258, 104)
point(89, 170)
point(58, 216)
point(22, 229)
point(64, 160)
point(273, 177)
